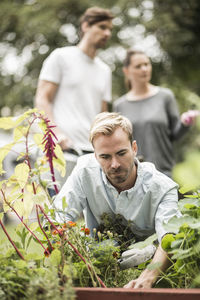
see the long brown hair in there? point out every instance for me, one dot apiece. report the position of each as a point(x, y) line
point(127, 62)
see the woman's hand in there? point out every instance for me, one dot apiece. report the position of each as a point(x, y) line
point(188, 117)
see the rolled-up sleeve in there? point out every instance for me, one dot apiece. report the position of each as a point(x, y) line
point(73, 194)
point(167, 208)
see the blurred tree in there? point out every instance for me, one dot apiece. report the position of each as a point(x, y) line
point(31, 29)
point(167, 30)
point(176, 25)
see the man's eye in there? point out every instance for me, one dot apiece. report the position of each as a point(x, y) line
point(102, 27)
point(121, 153)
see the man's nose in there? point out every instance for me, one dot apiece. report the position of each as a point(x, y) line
point(114, 163)
point(108, 33)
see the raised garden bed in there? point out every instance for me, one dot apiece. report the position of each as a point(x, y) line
point(137, 294)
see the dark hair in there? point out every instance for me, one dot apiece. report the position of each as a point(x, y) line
point(129, 54)
point(127, 62)
point(96, 14)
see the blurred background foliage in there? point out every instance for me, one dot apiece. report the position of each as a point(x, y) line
point(167, 30)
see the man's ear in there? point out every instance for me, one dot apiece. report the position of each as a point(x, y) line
point(134, 147)
point(84, 27)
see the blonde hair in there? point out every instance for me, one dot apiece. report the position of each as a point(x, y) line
point(106, 123)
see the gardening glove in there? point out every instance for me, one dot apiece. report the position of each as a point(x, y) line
point(135, 257)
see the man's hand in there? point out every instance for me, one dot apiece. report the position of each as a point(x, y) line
point(149, 276)
point(142, 282)
point(64, 142)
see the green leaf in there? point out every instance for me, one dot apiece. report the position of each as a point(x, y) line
point(22, 173)
point(59, 162)
point(193, 201)
point(29, 240)
point(154, 266)
point(18, 133)
point(3, 153)
point(175, 223)
point(7, 123)
point(42, 125)
point(55, 257)
point(38, 137)
point(167, 240)
point(189, 206)
point(20, 264)
point(70, 270)
point(28, 204)
point(39, 198)
point(33, 226)
point(143, 244)
point(19, 207)
point(1, 215)
point(64, 203)
point(182, 253)
point(33, 256)
point(176, 243)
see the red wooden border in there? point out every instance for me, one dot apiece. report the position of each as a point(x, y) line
point(136, 294)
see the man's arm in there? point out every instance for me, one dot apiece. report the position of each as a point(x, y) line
point(104, 106)
point(148, 277)
point(44, 99)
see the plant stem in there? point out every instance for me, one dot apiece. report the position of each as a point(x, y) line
point(21, 219)
point(43, 231)
point(73, 247)
point(11, 241)
point(51, 223)
point(27, 156)
point(83, 259)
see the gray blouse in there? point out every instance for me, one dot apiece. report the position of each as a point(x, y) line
point(156, 124)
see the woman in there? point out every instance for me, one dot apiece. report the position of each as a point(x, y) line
point(153, 112)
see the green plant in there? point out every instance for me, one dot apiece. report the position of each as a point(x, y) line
point(66, 250)
point(184, 246)
point(45, 263)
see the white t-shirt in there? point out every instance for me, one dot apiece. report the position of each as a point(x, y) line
point(83, 84)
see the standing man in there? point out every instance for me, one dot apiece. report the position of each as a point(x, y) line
point(113, 181)
point(74, 84)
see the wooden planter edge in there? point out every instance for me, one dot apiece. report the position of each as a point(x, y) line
point(136, 294)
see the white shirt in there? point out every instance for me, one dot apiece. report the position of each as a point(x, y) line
point(150, 202)
point(83, 84)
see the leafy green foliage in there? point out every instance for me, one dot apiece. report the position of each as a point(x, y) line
point(46, 264)
point(184, 246)
point(23, 280)
point(176, 25)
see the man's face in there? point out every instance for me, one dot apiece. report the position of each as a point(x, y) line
point(98, 33)
point(116, 157)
